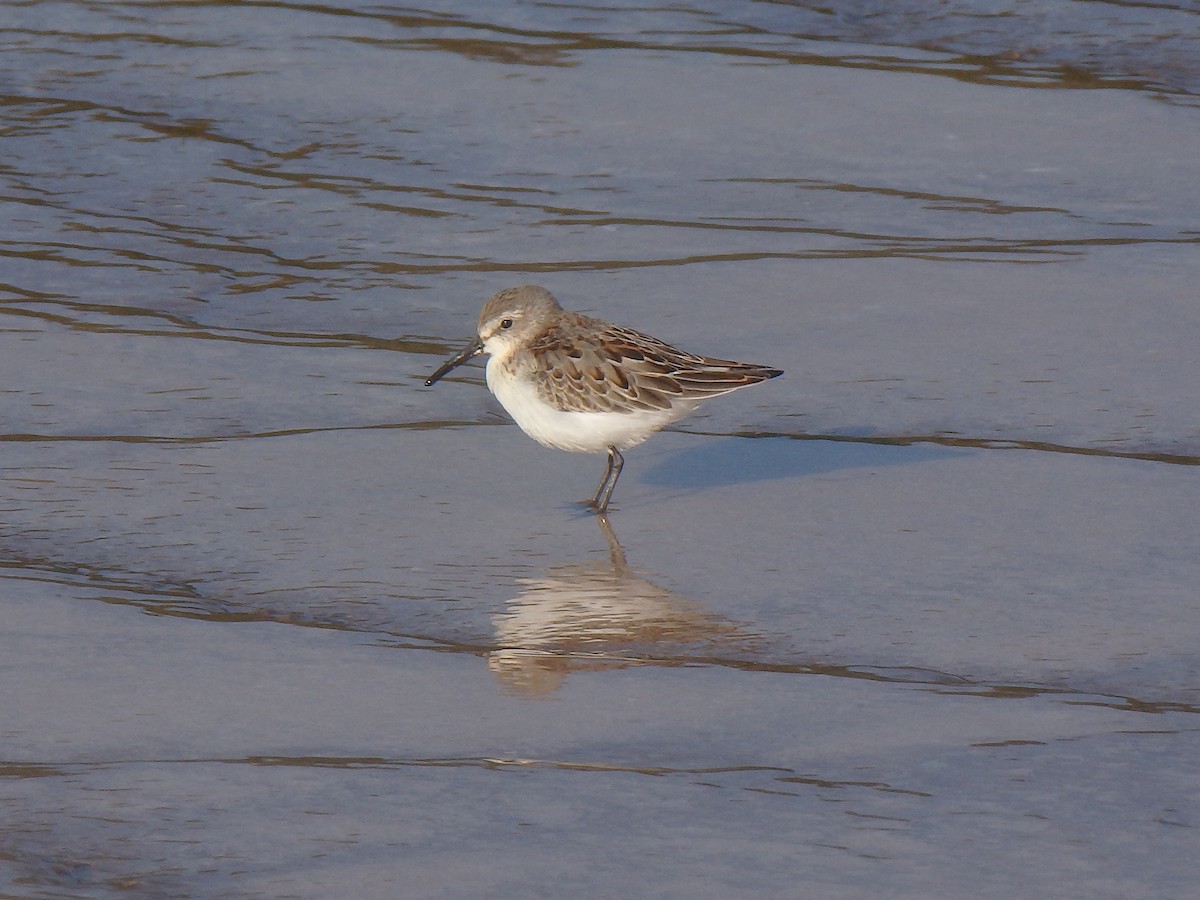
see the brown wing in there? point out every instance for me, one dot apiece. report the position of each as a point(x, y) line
point(591, 366)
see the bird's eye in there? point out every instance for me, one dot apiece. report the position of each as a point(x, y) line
point(506, 323)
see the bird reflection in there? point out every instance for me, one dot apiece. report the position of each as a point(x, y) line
point(580, 616)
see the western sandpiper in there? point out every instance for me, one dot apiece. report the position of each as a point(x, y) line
point(577, 383)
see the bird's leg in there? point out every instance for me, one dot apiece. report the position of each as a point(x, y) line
point(594, 502)
point(611, 474)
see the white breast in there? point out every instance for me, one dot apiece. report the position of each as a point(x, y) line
point(583, 432)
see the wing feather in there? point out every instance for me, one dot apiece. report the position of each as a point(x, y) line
point(586, 365)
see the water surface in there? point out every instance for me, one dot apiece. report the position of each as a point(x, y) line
point(918, 618)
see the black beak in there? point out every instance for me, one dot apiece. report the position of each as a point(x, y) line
point(455, 361)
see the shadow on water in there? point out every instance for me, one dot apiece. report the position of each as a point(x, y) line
point(734, 461)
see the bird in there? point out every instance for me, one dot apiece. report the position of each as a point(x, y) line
point(577, 383)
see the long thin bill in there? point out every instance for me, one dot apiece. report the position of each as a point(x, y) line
point(454, 362)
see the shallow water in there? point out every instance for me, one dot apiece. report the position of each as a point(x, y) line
point(918, 618)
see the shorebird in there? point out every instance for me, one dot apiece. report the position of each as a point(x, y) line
point(582, 384)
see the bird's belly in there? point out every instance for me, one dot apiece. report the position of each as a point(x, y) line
point(582, 432)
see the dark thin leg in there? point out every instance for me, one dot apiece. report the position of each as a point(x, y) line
point(595, 501)
point(611, 474)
